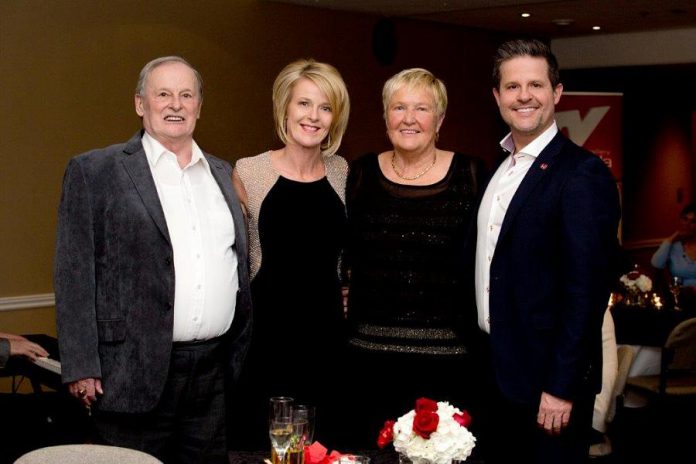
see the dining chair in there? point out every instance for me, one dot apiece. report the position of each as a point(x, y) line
point(86, 454)
point(624, 355)
point(677, 376)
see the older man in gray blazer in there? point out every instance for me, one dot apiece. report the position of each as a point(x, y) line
point(151, 279)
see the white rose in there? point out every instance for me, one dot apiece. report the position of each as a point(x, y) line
point(644, 283)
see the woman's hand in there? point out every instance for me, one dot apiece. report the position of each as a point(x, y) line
point(20, 346)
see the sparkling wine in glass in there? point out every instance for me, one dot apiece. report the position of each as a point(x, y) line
point(280, 426)
point(300, 425)
point(307, 413)
point(675, 289)
point(280, 431)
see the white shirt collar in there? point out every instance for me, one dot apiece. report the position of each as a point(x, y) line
point(154, 151)
point(535, 147)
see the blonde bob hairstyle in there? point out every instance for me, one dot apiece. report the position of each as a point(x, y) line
point(330, 82)
point(412, 79)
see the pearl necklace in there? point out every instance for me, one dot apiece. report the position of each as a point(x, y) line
point(420, 174)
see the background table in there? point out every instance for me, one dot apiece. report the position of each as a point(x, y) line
point(646, 325)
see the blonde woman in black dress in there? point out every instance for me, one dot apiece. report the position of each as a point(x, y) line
point(295, 202)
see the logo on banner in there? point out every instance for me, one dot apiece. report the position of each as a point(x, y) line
point(594, 121)
point(579, 129)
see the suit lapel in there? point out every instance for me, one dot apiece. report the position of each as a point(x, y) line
point(541, 166)
point(224, 181)
point(138, 169)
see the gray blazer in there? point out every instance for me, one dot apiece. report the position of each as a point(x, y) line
point(114, 277)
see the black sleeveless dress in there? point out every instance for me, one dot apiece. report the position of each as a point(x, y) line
point(298, 317)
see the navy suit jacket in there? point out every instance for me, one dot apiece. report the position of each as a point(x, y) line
point(550, 276)
point(114, 277)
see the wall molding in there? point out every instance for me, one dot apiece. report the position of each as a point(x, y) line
point(41, 300)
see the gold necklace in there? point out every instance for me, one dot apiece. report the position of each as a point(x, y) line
point(420, 174)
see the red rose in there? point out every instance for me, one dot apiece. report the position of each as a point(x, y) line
point(463, 419)
point(633, 275)
point(425, 423)
point(386, 435)
point(425, 404)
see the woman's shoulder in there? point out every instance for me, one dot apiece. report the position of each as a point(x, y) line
point(462, 157)
point(256, 170)
point(469, 162)
point(256, 161)
point(336, 162)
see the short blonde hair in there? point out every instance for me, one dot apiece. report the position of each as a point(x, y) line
point(330, 82)
point(415, 78)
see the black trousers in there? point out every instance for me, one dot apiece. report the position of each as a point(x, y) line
point(510, 433)
point(188, 424)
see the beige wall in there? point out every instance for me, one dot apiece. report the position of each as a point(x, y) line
point(68, 70)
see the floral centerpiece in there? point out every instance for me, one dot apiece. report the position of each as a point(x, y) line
point(433, 432)
point(635, 284)
point(636, 281)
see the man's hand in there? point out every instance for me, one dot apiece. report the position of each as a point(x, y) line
point(554, 413)
point(86, 390)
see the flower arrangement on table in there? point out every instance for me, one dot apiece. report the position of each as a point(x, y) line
point(635, 284)
point(433, 432)
point(636, 281)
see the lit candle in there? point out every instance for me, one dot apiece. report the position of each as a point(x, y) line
point(657, 302)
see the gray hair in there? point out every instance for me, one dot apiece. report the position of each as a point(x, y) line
point(147, 69)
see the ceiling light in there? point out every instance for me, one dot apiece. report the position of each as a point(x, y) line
point(596, 28)
point(526, 15)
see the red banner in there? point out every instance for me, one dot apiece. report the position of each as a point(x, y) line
point(594, 121)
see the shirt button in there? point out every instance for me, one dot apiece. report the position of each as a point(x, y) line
point(489, 259)
point(490, 227)
point(199, 286)
point(488, 290)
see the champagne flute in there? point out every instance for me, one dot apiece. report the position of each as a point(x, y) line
point(675, 289)
point(306, 412)
point(280, 425)
point(300, 425)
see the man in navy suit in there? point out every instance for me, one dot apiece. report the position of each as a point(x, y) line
point(151, 279)
point(547, 229)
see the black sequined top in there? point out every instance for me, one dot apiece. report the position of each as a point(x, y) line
point(411, 279)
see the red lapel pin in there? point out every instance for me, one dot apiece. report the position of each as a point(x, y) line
point(543, 166)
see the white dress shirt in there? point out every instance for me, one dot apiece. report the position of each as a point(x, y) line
point(202, 233)
point(494, 205)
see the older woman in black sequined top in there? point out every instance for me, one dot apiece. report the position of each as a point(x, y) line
point(411, 210)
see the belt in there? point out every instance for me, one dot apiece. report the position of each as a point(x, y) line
point(197, 344)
